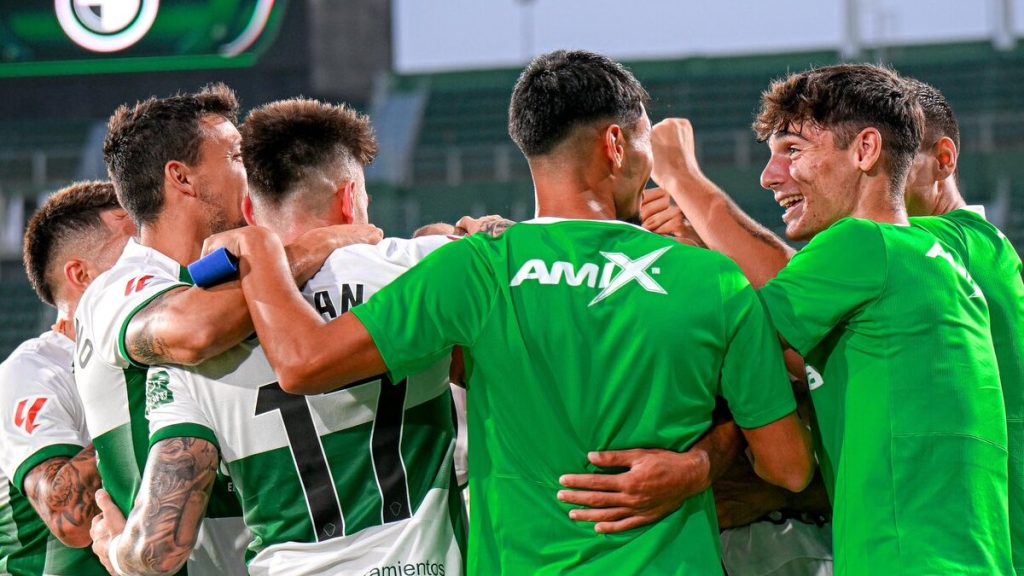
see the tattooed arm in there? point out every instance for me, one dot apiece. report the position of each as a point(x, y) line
point(189, 325)
point(62, 491)
point(164, 523)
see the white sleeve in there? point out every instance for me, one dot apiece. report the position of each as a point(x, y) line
point(114, 307)
point(416, 249)
point(171, 408)
point(40, 420)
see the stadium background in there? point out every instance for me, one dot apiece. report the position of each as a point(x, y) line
point(441, 118)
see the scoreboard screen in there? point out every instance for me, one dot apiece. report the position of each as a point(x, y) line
point(60, 37)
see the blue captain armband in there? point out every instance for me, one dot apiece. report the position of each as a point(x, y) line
point(215, 268)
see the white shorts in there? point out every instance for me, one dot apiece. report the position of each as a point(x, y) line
point(792, 548)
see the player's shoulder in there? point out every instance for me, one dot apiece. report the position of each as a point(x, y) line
point(38, 360)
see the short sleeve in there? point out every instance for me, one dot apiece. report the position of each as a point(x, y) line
point(38, 422)
point(106, 313)
point(837, 273)
point(442, 302)
point(171, 408)
point(754, 381)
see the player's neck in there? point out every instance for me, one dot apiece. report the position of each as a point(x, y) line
point(877, 203)
point(180, 240)
point(568, 195)
point(948, 197)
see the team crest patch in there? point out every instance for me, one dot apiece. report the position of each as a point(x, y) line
point(158, 392)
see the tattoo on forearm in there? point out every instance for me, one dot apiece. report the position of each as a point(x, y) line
point(143, 345)
point(164, 526)
point(62, 490)
point(496, 228)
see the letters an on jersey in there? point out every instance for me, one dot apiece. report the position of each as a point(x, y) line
point(629, 270)
point(26, 412)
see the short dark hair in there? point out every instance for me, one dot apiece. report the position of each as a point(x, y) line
point(65, 217)
point(846, 99)
point(142, 139)
point(939, 119)
point(284, 139)
point(563, 90)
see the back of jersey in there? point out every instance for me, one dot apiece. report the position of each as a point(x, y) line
point(583, 336)
point(374, 491)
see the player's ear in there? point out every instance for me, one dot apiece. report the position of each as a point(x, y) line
point(178, 177)
point(77, 276)
point(248, 212)
point(614, 141)
point(346, 200)
point(867, 149)
point(946, 156)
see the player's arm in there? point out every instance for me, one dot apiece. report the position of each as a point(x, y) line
point(62, 491)
point(655, 484)
point(308, 355)
point(719, 222)
point(781, 452)
point(163, 526)
point(189, 325)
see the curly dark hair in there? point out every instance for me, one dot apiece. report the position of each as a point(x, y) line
point(563, 90)
point(68, 215)
point(283, 140)
point(142, 139)
point(846, 99)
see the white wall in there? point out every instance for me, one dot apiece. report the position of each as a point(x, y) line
point(461, 34)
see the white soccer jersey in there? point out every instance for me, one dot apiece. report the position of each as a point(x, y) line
point(41, 413)
point(113, 388)
point(40, 418)
point(356, 481)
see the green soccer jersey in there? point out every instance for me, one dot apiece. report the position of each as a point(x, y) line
point(996, 267)
point(581, 336)
point(906, 390)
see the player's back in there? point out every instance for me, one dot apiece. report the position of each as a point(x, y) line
point(42, 419)
point(995, 266)
point(603, 336)
point(355, 481)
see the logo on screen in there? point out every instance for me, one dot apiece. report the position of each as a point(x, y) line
point(106, 25)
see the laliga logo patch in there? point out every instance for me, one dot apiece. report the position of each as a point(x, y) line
point(27, 411)
point(106, 25)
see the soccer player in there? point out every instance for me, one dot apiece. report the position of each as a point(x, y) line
point(894, 330)
point(580, 332)
point(48, 463)
point(990, 259)
point(355, 482)
point(177, 169)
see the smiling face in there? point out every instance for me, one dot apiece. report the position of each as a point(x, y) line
point(811, 178)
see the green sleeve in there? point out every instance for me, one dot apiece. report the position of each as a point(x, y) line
point(441, 302)
point(840, 270)
point(754, 380)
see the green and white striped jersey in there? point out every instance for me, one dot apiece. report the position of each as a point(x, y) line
point(40, 418)
point(357, 481)
point(113, 390)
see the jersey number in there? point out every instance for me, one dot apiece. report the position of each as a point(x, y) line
point(311, 464)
